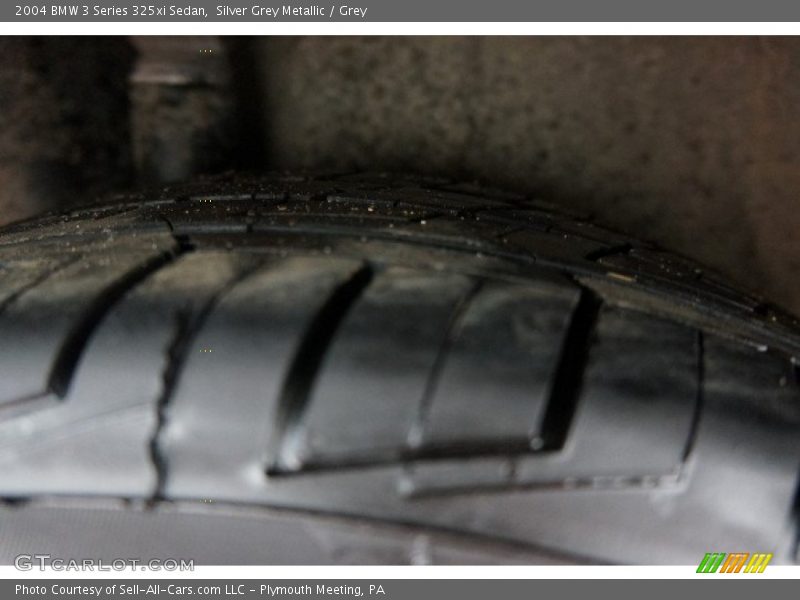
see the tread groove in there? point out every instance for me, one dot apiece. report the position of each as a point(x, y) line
point(305, 365)
point(75, 342)
point(411, 238)
point(35, 283)
point(175, 355)
point(795, 551)
point(610, 251)
point(187, 325)
point(569, 373)
point(417, 430)
point(26, 404)
point(699, 402)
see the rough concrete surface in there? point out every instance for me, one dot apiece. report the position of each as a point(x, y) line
point(63, 121)
point(693, 143)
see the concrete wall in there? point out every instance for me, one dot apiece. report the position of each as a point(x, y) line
point(64, 131)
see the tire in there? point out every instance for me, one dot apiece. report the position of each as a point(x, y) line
point(364, 369)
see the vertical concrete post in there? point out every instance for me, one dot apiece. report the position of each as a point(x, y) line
point(181, 108)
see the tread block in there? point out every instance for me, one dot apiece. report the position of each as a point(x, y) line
point(226, 414)
point(96, 439)
point(493, 388)
point(368, 393)
point(635, 414)
point(747, 450)
point(44, 316)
